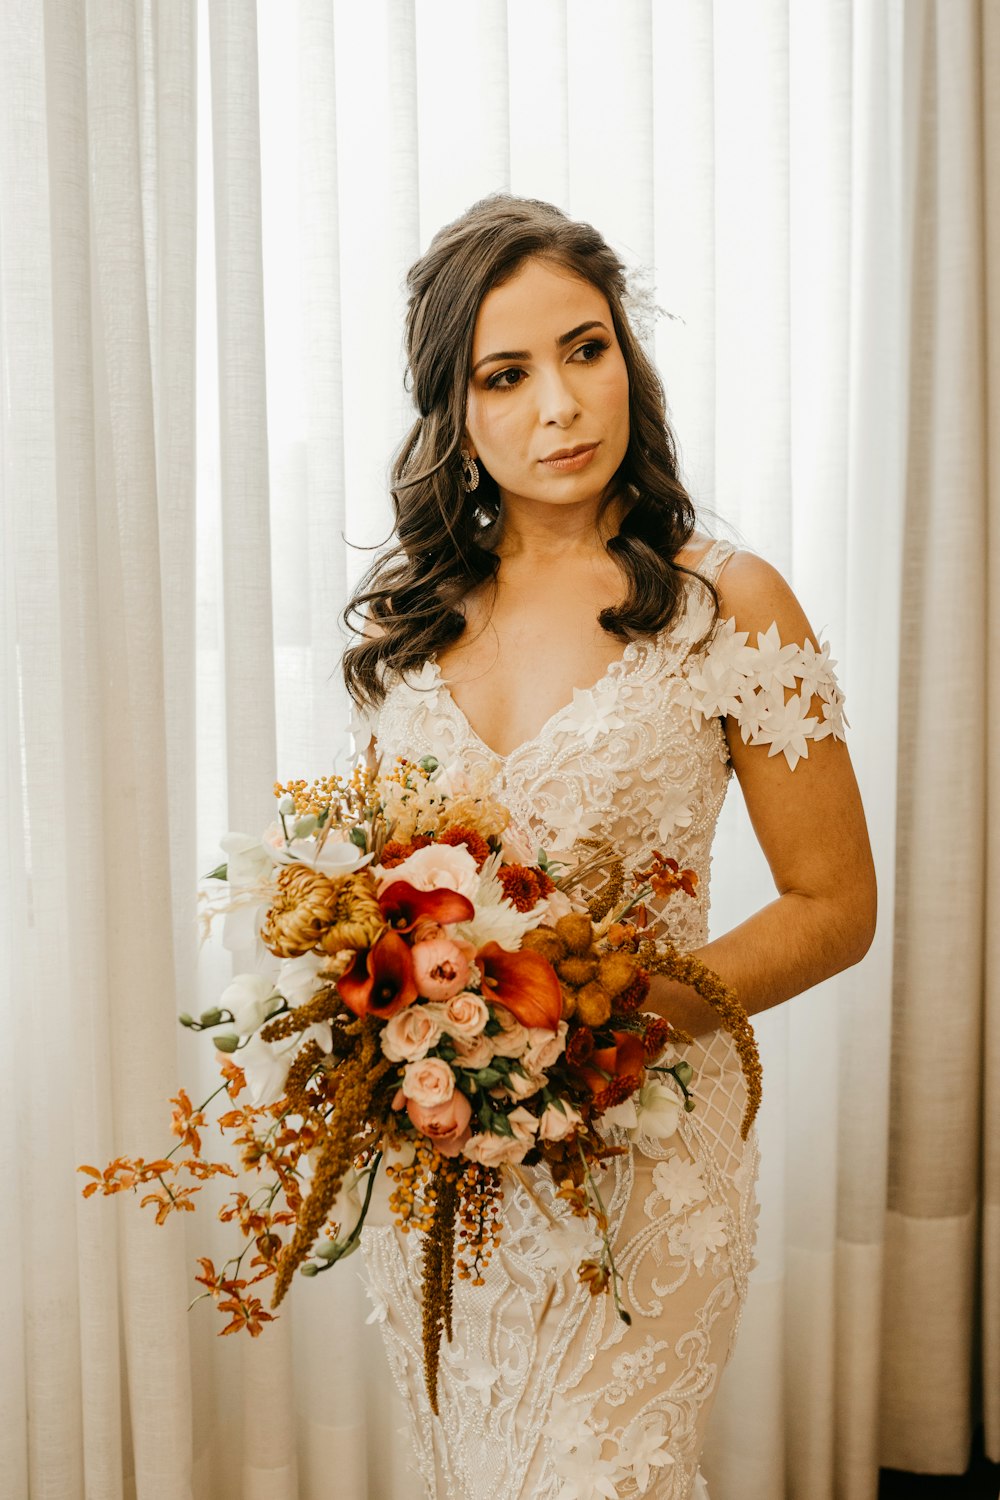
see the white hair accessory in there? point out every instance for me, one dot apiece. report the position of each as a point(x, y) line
point(641, 306)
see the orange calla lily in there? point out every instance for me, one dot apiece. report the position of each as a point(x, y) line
point(526, 983)
point(380, 981)
point(402, 905)
point(624, 1057)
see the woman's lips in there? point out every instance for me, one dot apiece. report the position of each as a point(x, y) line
point(578, 460)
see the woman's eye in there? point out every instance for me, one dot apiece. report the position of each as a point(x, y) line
point(499, 381)
point(593, 349)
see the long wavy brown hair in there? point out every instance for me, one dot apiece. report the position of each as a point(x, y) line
point(413, 593)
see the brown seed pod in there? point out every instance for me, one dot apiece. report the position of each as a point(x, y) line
point(544, 940)
point(568, 1002)
point(616, 972)
point(577, 931)
point(593, 1004)
point(575, 970)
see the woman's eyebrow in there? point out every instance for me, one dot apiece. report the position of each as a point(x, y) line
point(561, 341)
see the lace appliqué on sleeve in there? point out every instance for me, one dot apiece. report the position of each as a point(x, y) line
point(749, 684)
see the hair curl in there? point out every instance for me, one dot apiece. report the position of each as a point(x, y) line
point(413, 594)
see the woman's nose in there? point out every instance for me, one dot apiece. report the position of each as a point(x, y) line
point(558, 403)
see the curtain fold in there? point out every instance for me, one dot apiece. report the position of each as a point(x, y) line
point(934, 1158)
point(206, 216)
point(990, 1242)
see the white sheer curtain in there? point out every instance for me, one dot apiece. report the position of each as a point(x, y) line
point(206, 214)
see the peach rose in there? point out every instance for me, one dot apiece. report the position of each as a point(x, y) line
point(410, 1034)
point(544, 1047)
point(522, 1086)
point(429, 1081)
point(491, 1150)
point(473, 1051)
point(513, 1039)
point(447, 1124)
point(440, 968)
point(464, 1015)
point(524, 1125)
point(448, 867)
point(554, 1125)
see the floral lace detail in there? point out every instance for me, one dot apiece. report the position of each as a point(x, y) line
point(749, 683)
point(544, 1392)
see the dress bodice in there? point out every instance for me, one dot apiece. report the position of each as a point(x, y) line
point(639, 760)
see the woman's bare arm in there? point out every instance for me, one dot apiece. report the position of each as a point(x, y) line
point(811, 826)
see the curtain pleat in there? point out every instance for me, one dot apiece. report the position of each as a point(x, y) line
point(201, 393)
point(243, 429)
point(941, 801)
point(990, 1242)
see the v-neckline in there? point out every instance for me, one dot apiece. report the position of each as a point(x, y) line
point(613, 668)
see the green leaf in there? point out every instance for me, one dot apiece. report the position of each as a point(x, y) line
point(501, 1125)
point(429, 763)
point(221, 872)
point(486, 1077)
point(359, 839)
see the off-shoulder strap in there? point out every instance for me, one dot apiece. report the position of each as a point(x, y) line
point(748, 683)
point(714, 559)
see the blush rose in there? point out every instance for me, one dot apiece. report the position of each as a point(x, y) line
point(440, 968)
point(429, 1081)
point(410, 1034)
point(446, 1124)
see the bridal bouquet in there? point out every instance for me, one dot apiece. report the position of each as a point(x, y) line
point(436, 1000)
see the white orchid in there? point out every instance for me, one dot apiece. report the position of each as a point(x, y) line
point(659, 1109)
point(298, 978)
point(250, 998)
point(248, 874)
point(247, 861)
point(332, 856)
point(266, 1066)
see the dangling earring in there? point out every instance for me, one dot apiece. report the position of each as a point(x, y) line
point(470, 472)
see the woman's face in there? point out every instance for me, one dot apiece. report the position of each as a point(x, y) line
point(548, 376)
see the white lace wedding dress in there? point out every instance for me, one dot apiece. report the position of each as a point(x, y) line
point(575, 1405)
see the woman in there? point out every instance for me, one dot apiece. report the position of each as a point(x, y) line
point(552, 614)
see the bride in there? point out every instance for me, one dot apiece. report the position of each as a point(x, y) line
point(552, 615)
